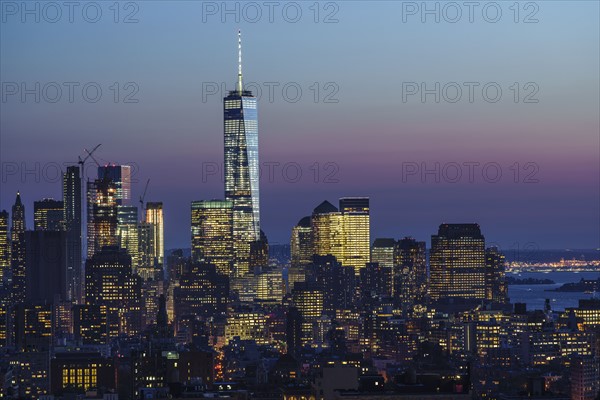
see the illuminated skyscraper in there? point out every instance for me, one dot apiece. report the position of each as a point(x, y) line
point(410, 272)
point(327, 231)
point(212, 234)
point(457, 262)
point(4, 245)
point(48, 215)
point(127, 232)
point(110, 282)
point(343, 233)
point(102, 215)
point(202, 292)
point(154, 215)
point(147, 266)
point(120, 175)
point(382, 252)
point(72, 219)
point(495, 275)
point(357, 232)
point(301, 246)
point(301, 249)
point(17, 234)
point(242, 169)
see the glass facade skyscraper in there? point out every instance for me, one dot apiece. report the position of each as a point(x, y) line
point(457, 262)
point(120, 175)
point(72, 218)
point(242, 169)
point(212, 234)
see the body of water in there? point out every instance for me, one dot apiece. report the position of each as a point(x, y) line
point(535, 295)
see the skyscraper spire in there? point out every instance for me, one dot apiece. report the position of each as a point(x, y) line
point(239, 82)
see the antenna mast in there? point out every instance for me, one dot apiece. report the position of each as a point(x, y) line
point(239, 82)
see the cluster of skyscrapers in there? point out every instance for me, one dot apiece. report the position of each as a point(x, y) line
point(342, 314)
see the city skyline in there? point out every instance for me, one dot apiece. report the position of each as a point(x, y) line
point(364, 154)
point(418, 224)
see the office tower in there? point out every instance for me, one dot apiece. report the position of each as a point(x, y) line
point(293, 331)
point(269, 286)
point(309, 303)
point(301, 247)
point(102, 215)
point(110, 281)
point(4, 246)
point(46, 266)
point(33, 327)
point(62, 324)
point(151, 291)
point(457, 262)
point(301, 251)
point(336, 282)
point(202, 292)
point(242, 169)
point(357, 231)
point(72, 219)
point(48, 215)
point(154, 215)
point(585, 378)
point(327, 231)
point(89, 323)
point(343, 233)
point(127, 232)
point(410, 272)
point(120, 175)
point(259, 252)
point(147, 266)
point(17, 259)
point(495, 276)
point(212, 234)
point(177, 264)
point(375, 284)
point(382, 252)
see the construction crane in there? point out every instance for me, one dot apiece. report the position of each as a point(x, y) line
point(142, 197)
point(89, 154)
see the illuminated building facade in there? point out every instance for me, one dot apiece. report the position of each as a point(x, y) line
point(247, 326)
point(102, 215)
point(202, 292)
point(301, 251)
point(343, 233)
point(127, 232)
point(410, 271)
point(120, 176)
point(110, 281)
point(90, 325)
point(457, 262)
point(212, 234)
point(495, 274)
point(242, 169)
point(77, 372)
point(357, 232)
point(33, 327)
point(48, 215)
point(270, 286)
point(4, 245)
point(72, 219)
point(147, 266)
point(17, 258)
point(382, 252)
point(155, 216)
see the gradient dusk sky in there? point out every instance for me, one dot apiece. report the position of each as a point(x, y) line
point(179, 49)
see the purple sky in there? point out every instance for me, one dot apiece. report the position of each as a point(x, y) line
point(370, 141)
